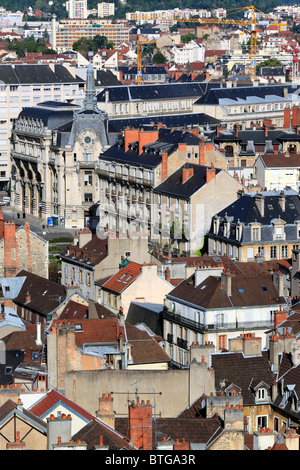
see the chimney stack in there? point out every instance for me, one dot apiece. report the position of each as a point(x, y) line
point(210, 173)
point(186, 173)
point(260, 203)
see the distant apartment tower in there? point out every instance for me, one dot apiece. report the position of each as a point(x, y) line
point(77, 8)
point(70, 30)
point(105, 9)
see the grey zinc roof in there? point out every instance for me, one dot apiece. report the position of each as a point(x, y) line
point(36, 73)
point(150, 92)
point(171, 121)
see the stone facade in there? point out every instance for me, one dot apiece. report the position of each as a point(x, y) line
point(20, 249)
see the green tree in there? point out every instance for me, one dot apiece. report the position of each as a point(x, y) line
point(158, 58)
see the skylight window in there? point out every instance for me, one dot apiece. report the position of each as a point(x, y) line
point(264, 288)
point(122, 277)
point(240, 290)
point(128, 279)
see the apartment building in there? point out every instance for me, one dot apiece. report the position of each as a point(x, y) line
point(105, 9)
point(257, 226)
point(248, 104)
point(54, 147)
point(70, 30)
point(151, 100)
point(131, 168)
point(77, 8)
point(23, 86)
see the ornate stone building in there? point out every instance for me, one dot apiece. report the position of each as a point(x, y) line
point(55, 147)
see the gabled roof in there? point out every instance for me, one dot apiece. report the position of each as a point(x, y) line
point(123, 278)
point(27, 74)
point(45, 295)
point(24, 341)
point(112, 438)
point(43, 407)
point(10, 408)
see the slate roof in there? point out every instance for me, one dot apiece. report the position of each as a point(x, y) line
point(167, 141)
point(171, 121)
point(36, 73)
point(106, 78)
point(112, 438)
point(45, 295)
point(146, 314)
point(246, 211)
point(173, 184)
point(215, 95)
point(51, 400)
point(245, 292)
point(52, 114)
point(158, 92)
point(235, 368)
point(13, 358)
point(257, 136)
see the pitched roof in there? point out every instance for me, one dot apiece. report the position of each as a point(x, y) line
point(145, 348)
point(195, 431)
point(281, 160)
point(174, 186)
point(246, 291)
point(123, 278)
point(235, 368)
point(45, 295)
point(51, 400)
point(91, 254)
point(94, 331)
point(10, 407)
point(36, 73)
point(24, 341)
point(112, 438)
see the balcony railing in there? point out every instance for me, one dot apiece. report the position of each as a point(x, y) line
point(215, 327)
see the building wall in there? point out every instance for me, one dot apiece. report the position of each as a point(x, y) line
point(33, 438)
point(142, 383)
point(22, 249)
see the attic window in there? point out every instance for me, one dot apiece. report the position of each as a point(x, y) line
point(240, 290)
point(270, 207)
point(78, 327)
point(292, 206)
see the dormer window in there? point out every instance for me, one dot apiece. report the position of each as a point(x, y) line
point(261, 394)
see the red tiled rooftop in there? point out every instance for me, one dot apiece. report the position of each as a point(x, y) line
point(123, 278)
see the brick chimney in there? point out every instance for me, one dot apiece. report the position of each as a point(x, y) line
point(147, 137)
point(130, 135)
point(186, 173)
point(17, 445)
point(280, 316)
point(181, 445)
point(164, 165)
point(202, 153)
point(1, 224)
point(167, 274)
point(11, 255)
point(210, 173)
point(140, 425)
point(106, 412)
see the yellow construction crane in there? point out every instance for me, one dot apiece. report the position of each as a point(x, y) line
point(139, 58)
point(251, 21)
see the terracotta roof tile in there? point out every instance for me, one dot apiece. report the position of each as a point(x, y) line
point(123, 278)
point(53, 398)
